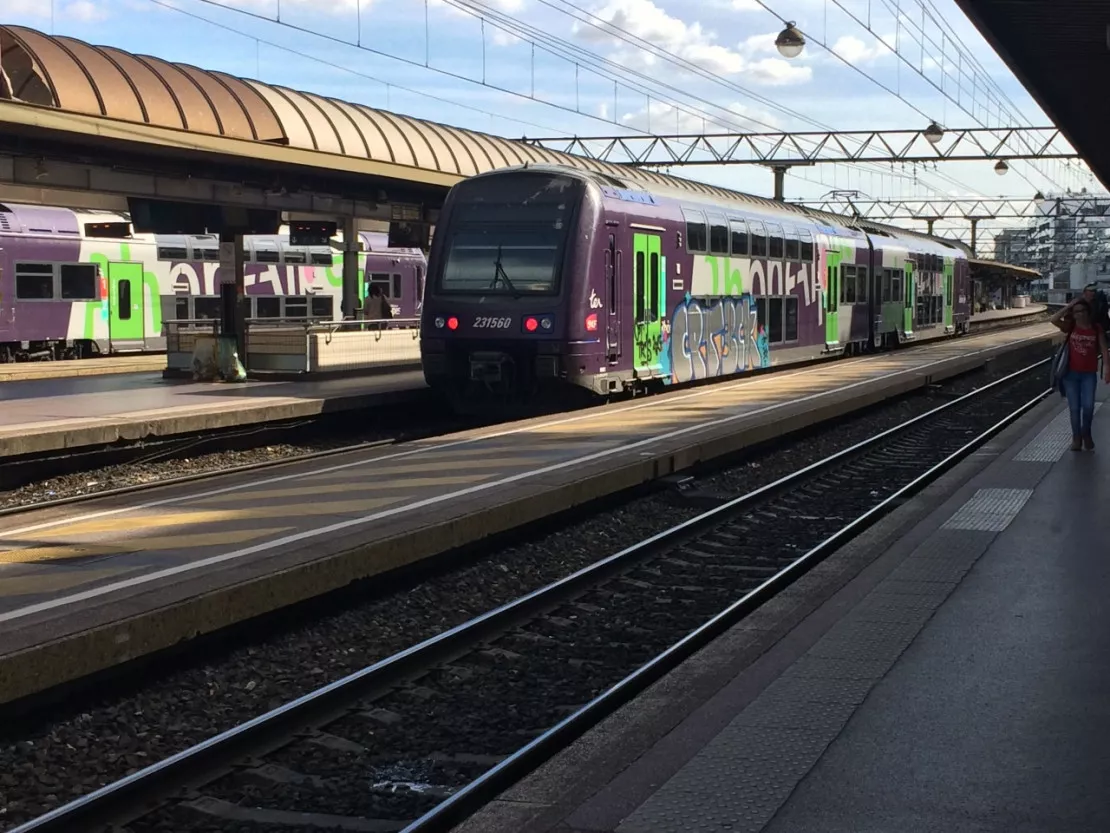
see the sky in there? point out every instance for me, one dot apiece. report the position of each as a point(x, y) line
point(617, 67)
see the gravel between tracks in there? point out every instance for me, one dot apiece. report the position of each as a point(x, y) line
point(54, 764)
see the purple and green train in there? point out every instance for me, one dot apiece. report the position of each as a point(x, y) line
point(548, 276)
point(67, 292)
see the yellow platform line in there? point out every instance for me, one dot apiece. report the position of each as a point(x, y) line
point(350, 486)
point(48, 583)
point(135, 523)
point(65, 552)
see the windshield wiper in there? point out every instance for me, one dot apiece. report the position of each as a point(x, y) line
point(500, 274)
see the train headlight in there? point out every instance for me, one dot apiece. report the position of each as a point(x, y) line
point(546, 323)
point(440, 322)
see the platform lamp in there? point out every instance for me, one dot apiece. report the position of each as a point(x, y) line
point(1001, 168)
point(933, 133)
point(790, 41)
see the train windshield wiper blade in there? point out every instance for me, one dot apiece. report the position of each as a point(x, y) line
point(500, 274)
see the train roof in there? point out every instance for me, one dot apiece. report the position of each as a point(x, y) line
point(689, 191)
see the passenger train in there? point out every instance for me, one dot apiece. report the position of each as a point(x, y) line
point(67, 293)
point(546, 276)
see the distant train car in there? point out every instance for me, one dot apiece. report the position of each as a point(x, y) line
point(65, 293)
point(547, 276)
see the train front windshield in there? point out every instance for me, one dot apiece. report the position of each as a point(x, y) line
point(508, 235)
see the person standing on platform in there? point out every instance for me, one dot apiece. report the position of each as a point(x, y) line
point(377, 307)
point(1100, 307)
point(1086, 344)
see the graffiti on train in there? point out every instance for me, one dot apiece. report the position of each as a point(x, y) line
point(714, 338)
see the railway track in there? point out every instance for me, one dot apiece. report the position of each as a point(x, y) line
point(421, 739)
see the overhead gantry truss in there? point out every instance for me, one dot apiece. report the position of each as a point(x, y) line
point(813, 147)
point(999, 208)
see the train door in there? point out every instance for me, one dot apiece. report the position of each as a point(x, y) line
point(832, 299)
point(613, 319)
point(910, 298)
point(125, 316)
point(949, 293)
point(647, 299)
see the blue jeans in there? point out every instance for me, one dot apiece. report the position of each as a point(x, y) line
point(1080, 389)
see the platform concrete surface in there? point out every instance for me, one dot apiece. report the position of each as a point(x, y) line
point(51, 414)
point(86, 586)
point(947, 671)
point(1003, 314)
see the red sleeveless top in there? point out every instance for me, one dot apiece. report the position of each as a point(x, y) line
point(1083, 350)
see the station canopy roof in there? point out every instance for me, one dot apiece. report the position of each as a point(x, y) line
point(1060, 51)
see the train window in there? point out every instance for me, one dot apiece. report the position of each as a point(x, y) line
point(207, 253)
point(173, 253)
point(296, 306)
point(395, 290)
point(653, 293)
point(206, 307)
point(791, 309)
point(321, 259)
point(266, 256)
point(697, 239)
point(323, 306)
point(774, 324)
point(861, 285)
point(34, 281)
point(896, 286)
point(295, 256)
point(761, 312)
point(806, 245)
point(739, 237)
point(718, 235)
point(793, 246)
point(267, 306)
point(181, 308)
point(638, 313)
point(79, 282)
point(775, 241)
point(847, 284)
point(380, 280)
point(123, 300)
point(758, 238)
point(884, 288)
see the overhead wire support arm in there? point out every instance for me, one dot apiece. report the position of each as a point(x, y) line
point(813, 147)
point(957, 207)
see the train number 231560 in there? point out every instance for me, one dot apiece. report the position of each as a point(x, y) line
point(484, 322)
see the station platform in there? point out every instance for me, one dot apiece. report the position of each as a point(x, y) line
point(25, 371)
point(86, 586)
point(52, 414)
point(946, 671)
point(998, 316)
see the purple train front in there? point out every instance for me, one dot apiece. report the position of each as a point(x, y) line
point(548, 276)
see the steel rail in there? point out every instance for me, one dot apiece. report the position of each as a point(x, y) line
point(153, 784)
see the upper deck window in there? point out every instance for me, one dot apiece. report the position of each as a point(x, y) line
point(697, 234)
point(739, 237)
point(718, 235)
point(759, 238)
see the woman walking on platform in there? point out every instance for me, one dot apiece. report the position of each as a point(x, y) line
point(1086, 343)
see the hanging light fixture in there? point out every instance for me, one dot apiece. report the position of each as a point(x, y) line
point(790, 42)
point(1001, 168)
point(933, 133)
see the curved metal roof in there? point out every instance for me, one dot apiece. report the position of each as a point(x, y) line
point(101, 81)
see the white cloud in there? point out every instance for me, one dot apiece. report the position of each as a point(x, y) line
point(855, 51)
point(37, 8)
point(270, 7)
point(689, 41)
point(84, 11)
point(664, 118)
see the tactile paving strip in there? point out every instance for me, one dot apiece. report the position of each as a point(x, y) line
point(738, 782)
point(989, 510)
point(1051, 443)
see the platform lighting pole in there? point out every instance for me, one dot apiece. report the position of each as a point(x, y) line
point(974, 220)
point(350, 268)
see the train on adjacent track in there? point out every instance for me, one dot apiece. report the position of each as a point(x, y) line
point(66, 292)
point(546, 277)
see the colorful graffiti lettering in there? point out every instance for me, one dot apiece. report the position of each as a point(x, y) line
point(647, 343)
point(714, 338)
